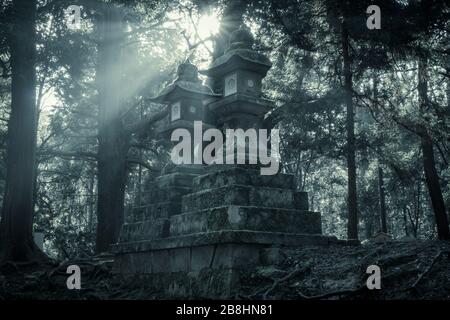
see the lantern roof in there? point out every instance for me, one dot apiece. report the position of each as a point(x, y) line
point(186, 82)
point(239, 55)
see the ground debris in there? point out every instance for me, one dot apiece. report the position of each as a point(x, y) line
point(410, 270)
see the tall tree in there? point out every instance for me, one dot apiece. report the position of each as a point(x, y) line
point(381, 187)
point(382, 199)
point(16, 227)
point(352, 224)
point(113, 142)
point(429, 162)
point(113, 135)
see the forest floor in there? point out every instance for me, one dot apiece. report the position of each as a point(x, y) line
point(409, 270)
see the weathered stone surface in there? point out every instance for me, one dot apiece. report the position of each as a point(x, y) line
point(137, 262)
point(219, 283)
point(179, 259)
point(138, 213)
point(240, 176)
point(176, 179)
point(246, 218)
point(202, 257)
point(145, 230)
point(190, 259)
point(163, 210)
point(226, 236)
point(238, 195)
point(160, 261)
point(301, 200)
point(233, 255)
point(157, 194)
point(160, 210)
point(163, 198)
point(241, 103)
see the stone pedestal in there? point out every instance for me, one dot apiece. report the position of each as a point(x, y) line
point(225, 225)
point(162, 199)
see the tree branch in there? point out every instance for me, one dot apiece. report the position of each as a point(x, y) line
point(142, 163)
point(69, 154)
point(144, 123)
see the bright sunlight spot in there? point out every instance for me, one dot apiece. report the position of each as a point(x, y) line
point(208, 25)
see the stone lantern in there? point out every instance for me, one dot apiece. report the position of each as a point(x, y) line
point(203, 234)
point(186, 98)
point(240, 71)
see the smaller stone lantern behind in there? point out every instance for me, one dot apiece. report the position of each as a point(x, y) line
point(186, 98)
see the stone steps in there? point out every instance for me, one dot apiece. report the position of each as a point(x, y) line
point(243, 195)
point(145, 230)
point(175, 179)
point(166, 194)
point(246, 218)
point(157, 210)
point(242, 176)
point(223, 237)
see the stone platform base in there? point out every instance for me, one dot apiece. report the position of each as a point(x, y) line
point(211, 264)
point(203, 238)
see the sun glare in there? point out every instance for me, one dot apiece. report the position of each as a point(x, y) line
point(208, 25)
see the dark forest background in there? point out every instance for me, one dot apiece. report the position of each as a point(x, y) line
point(363, 114)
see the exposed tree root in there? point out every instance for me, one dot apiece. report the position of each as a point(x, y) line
point(296, 272)
point(428, 269)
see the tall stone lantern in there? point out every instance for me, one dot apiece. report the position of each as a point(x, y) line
point(207, 234)
point(240, 71)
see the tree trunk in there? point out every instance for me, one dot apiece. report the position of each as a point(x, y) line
point(434, 188)
point(91, 200)
point(352, 226)
point(381, 194)
point(429, 164)
point(418, 210)
point(448, 86)
point(405, 222)
point(382, 200)
point(113, 140)
point(16, 227)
